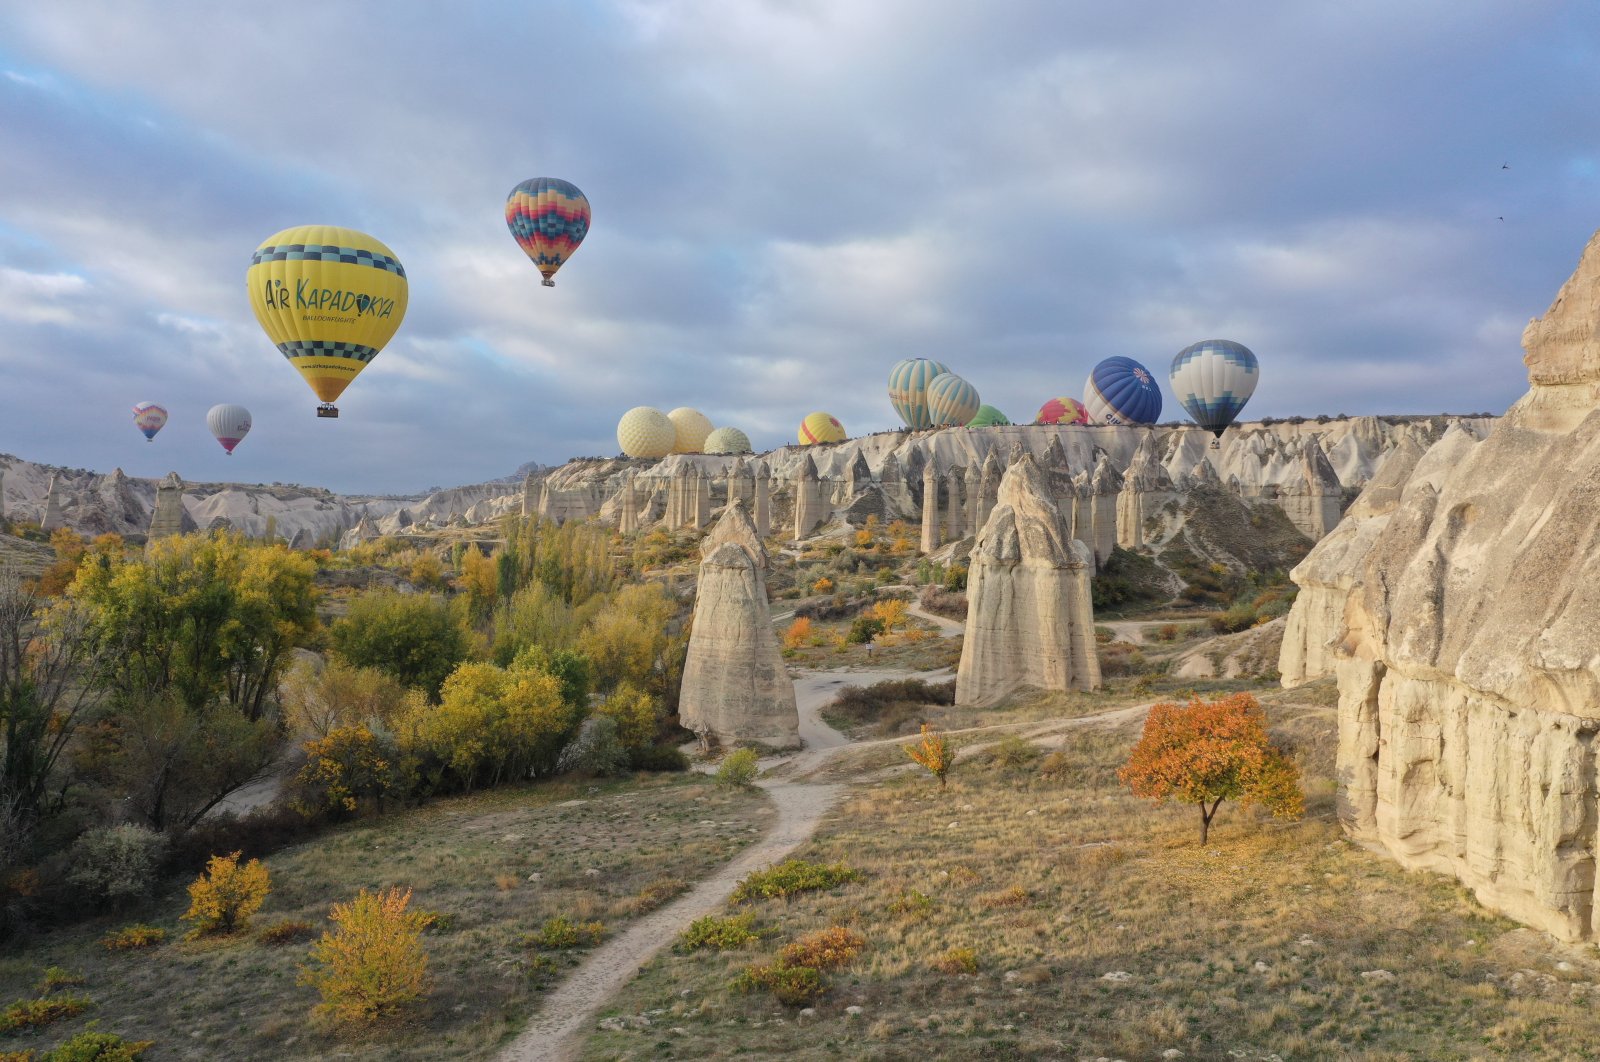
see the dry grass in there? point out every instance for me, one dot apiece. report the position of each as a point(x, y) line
point(924, 650)
point(1256, 944)
point(604, 853)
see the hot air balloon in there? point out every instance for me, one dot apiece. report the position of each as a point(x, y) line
point(951, 400)
point(229, 423)
point(1121, 391)
point(549, 218)
point(821, 428)
point(1062, 411)
point(988, 417)
point(1213, 379)
point(692, 427)
point(646, 432)
point(330, 298)
point(908, 384)
point(149, 418)
point(728, 441)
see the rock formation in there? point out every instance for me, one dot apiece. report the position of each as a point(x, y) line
point(530, 495)
point(628, 511)
point(954, 512)
point(699, 514)
point(895, 488)
point(988, 488)
point(170, 517)
point(810, 506)
point(741, 484)
point(1469, 684)
point(1311, 500)
point(930, 508)
point(1146, 488)
point(1030, 620)
point(857, 477)
point(1104, 486)
point(51, 519)
point(735, 688)
point(763, 500)
point(973, 482)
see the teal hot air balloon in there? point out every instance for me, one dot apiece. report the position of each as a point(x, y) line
point(1213, 379)
point(988, 417)
point(908, 389)
point(952, 401)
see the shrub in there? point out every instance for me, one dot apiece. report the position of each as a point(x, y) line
point(826, 949)
point(933, 752)
point(892, 611)
point(57, 977)
point(792, 876)
point(739, 769)
point(222, 899)
point(115, 864)
point(658, 758)
point(912, 904)
point(559, 933)
point(349, 765)
point(373, 964)
point(92, 1046)
point(863, 629)
point(720, 934)
point(37, 1013)
point(597, 751)
point(636, 713)
point(823, 585)
point(285, 932)
point(794, 986)
point(957, 961)
point(798, 633)
point(132, 938)
point(656, 893)
point(1014, 751)
point(1015, 896)
point(412, 638)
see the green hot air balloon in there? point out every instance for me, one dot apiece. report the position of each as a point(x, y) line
point(988, 417)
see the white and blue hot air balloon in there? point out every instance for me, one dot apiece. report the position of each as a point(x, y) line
point(1121, 391)
point(1213, 379)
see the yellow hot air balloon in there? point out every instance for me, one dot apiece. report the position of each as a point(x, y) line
point(330, 298)
point(820, 428)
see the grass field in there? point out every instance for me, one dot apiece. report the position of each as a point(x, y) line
point(493, 867)
point(1099, 928)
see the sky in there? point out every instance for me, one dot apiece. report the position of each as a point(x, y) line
point(788, 197)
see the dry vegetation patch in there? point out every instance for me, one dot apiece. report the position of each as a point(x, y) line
point(582, 854)
point(1036, 909)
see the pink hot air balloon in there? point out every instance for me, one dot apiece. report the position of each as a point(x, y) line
point(149, 418)
point(229, 423)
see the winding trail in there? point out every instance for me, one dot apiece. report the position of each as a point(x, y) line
point(565, 1017)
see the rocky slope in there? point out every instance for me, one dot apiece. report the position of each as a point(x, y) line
point(1458, 606)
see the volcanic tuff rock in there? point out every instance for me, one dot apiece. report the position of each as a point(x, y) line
point(1469, 682)
point(735, 688)
point(1030, 621)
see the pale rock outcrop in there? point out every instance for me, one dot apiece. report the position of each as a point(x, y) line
point(1104, 486)
point(1055, 457)
point(810, 506)
point(988, 488)
point(741, 484)
point(1030, 619)
point(857, 477)
point(170, 517)
point(1082, 509)
point(628, 510)
point(735, 688)
point(973, 481)
point(763, 488)
point(930, 508)
point(1252, 653)
point(530, 494)
point(699, 513)
point(1311, 501)
point(1146, 489)
point(895, 488)
point(954, 512)
point(51, 519)
point(1469, 681)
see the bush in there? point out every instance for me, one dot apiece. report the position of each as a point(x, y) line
point(412, 638)
point(92, 1046)
point(658, 758)
point(863, 629)
point(794, 986)
point(912, 904)
point(798, 633)
point(933, 752)
point(222, 899)
point(116, 864)
point(826, 949)
point(957, 961)
point(792, 876)
point(1014, 751)
point(560, 933)
point(347, 767)
point(889, 706)
point(373, 964)
point(597, 750)
point(285, 932)
point(720, 934)
point(944, 603)
point(739, 769)
point(133, 938)
point(58, 977)
point(37, 1013)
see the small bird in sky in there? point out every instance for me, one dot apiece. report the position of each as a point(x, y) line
point(1505, 166)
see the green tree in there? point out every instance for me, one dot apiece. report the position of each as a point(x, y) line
point(411, 637)
point(629, 637)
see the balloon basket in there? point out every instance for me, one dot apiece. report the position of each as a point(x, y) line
point(328, 411)
point(547, 282)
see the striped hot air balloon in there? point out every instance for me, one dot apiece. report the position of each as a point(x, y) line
point(908, 389)
point(1063, 411)
point(149, 418)
point(821, 428)
point(549, 218)
point(1213, 379)
point(951, 400)
point(1121, 391)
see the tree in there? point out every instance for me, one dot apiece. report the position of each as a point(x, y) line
point(628, 638)
point(320, 698)
point(1206, 752)
point(373, 964)
point(933, 752)
point(411, 637)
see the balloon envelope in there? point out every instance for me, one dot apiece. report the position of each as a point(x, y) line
point(149, 418)
point(728, 441)
point(692, 427)
point(908, 386)
point(1121, 391)
point(951, 400)
point(329, 298)
point(820, 428)
point(987, 417)
point(229, 423)
point(646, 432)
point(1213, 379)
point(548, 217)
point(1063, 411)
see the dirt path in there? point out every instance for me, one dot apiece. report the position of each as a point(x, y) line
point(948, 628)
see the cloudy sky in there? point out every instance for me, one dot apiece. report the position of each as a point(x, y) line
point(788, 197)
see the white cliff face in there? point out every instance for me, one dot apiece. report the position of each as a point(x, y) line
point(735, 687)
point(1030, 620)
point(1469, 680)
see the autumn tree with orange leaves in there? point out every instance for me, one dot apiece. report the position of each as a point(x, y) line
point(1206, 752)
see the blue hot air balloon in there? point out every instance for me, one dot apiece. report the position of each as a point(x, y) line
point(1213, 379)
point(908, 389)
point(1121, 391)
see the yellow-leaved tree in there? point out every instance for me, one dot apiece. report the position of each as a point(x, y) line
point(372, 964)
point(222, 899)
